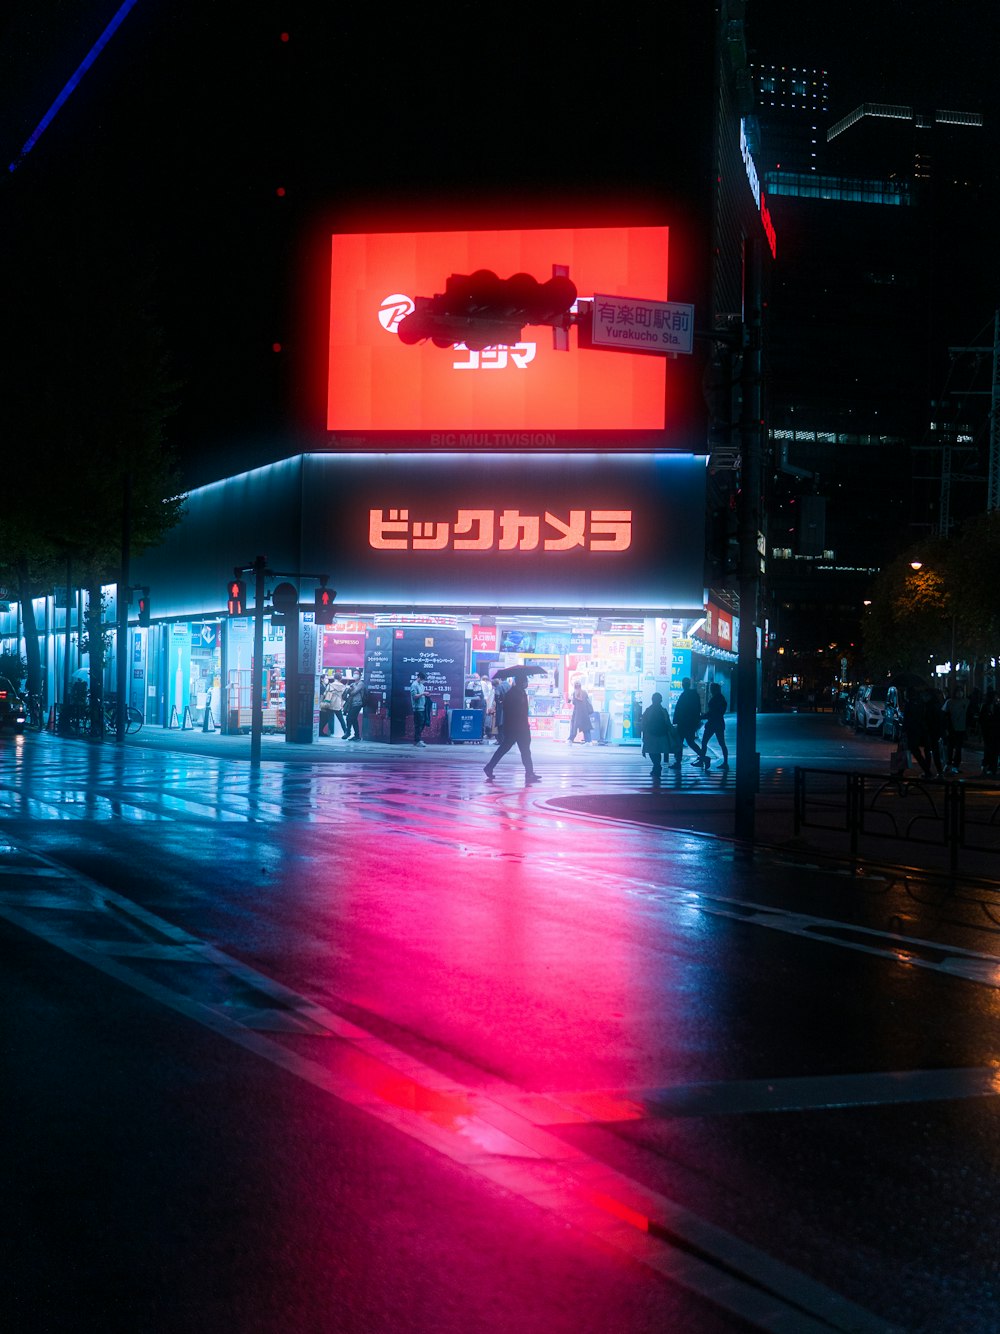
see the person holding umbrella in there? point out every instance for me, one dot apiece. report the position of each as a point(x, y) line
point(516, 730)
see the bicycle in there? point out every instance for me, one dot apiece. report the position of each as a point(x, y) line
point(35, 705)
point(133, 717)
point(77, 720)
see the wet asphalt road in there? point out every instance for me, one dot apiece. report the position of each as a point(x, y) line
point(364, 1044)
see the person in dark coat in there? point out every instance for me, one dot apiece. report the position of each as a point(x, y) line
point(687, 716)
point(915, 733)
point(715, 725)
point(955, 712)
point(516, 729)
point(934, 726)
point(657, 733)
point(579, 723)
point(500, 689)
point(355, 703)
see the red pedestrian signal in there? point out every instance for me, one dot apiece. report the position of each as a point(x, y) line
point(237, 597)
point(144, 606)
point(325, 598)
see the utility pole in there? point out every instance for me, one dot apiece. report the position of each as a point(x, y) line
point(122, 659)
point(257, 675)
point(747, 764)
point(993, 486)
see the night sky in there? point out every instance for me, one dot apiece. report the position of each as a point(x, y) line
point(177, 141)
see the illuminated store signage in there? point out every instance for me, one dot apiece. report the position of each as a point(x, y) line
point(428, 533)
point(758, 193)
point(375, 382)
point(502, 530)
point(616, 531)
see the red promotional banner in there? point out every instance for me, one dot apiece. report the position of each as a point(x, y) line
point(484, 638)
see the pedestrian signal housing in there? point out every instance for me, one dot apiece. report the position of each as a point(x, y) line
point(325, 598)
point(237, 597)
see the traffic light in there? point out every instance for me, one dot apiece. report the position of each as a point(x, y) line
point(325, 598)
point(236, 595)
point(482, 310)
point(144, 606)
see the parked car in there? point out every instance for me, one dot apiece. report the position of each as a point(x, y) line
point(869, 707)
point(13, 712)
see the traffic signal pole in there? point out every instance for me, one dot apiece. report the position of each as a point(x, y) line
point(122, 655)
point(747, 761)
point(257, 675)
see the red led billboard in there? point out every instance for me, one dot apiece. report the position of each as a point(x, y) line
point(377, 384)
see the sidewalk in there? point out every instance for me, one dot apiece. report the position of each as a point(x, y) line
point(613, 783)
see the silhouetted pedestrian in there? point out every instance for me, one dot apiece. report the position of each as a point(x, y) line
point(516, 728)
point(715, 725)
point(657, 733)
point(934, 728)
point(915, 733)
point(355, 700)
point(956, 713)
point(687, 716)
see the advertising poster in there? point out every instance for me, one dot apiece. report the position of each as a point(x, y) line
point(440, 654)
point(528, 394)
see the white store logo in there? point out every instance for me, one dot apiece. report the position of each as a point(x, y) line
point(392, 310)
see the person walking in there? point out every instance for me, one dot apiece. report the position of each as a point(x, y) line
point(657, 733)
point(915, 734)
point(934, 727)
point(956, 712)
point(989, 727)
point(579, 723)
point(355, 700)
point(332, 707)
point(516, 729)
point(420, 703)
point(687, 716)
point(715, 725)
point(500, 689)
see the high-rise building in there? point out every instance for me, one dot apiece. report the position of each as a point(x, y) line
point(871, 289)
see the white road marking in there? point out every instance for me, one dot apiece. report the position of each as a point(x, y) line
point(488, 1133)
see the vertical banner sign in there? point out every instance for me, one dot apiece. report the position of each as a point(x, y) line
point(378, 684)
point(178, 674)
point(440, 654)
point(137, 682)
point(307, 702)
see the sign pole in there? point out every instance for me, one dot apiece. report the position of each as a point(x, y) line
point(257, 675)
point(747, 765)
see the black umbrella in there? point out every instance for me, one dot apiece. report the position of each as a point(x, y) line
point(519, 673)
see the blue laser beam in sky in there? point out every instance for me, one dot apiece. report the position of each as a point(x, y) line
point(71, 83)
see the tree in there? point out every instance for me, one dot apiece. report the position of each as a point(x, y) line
point(945, 609)
point(89, 400)
point(977, 575)
point(909, 619)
